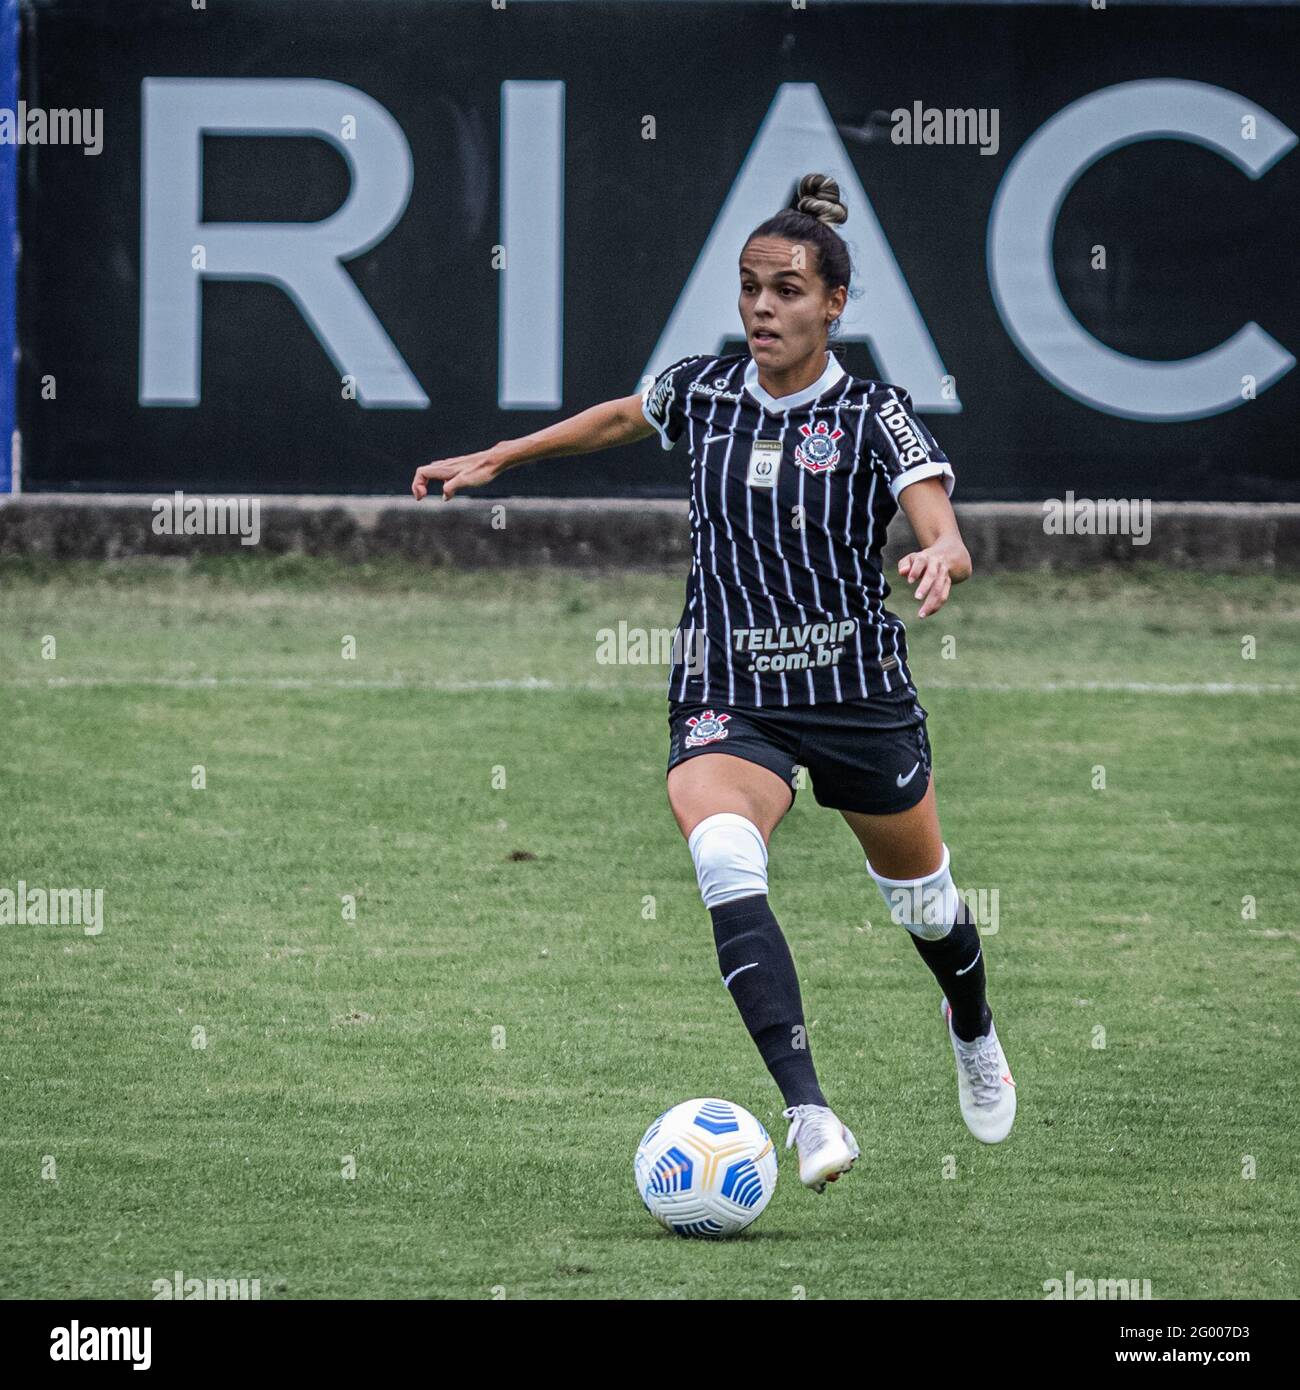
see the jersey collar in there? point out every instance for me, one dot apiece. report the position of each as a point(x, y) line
point(779, 404)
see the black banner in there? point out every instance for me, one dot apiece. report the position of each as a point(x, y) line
point(1072, 229)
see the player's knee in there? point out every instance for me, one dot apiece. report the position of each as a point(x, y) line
point(730, 858)
point(927, 906)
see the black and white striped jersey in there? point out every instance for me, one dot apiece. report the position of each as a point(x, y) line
point(790, 500)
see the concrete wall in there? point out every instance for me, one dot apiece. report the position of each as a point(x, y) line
point(1000, 535)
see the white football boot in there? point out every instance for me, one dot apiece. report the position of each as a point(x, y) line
point(827, 1147)
point(984, 1085)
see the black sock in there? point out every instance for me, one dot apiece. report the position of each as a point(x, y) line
point(950, 959)
point(759, 971)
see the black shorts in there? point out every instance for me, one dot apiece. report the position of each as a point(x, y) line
point(862, 755)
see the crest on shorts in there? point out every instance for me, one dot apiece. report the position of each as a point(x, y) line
point(819, 452)
point(706, 728)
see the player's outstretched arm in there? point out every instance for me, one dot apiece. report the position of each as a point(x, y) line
point(604, 426)
point(943, 559)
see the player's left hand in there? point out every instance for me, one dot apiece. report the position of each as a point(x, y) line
point(931, 571)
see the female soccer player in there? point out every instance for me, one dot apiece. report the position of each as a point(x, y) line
point(790, 657)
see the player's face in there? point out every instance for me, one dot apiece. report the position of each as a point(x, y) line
point(784, 303)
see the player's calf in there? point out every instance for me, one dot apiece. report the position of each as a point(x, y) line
point(757, 968)
point(946, 938)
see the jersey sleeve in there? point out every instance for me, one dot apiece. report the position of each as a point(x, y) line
point(663, 401)
point(908, 450)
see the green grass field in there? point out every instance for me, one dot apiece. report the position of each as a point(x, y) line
point(491, 1035)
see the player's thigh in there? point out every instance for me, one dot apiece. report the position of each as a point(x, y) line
point(710, 783)
point(907, 844)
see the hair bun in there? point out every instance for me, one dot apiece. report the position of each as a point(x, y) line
point(818, 195)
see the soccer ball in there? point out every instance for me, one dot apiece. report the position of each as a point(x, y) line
point(706, 1168)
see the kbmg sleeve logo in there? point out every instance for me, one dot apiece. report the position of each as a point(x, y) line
point(659, 397)
point(911, 449)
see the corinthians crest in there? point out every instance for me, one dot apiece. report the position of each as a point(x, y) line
point(706, 728)
point(819, 452)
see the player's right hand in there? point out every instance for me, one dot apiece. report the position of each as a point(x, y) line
point(469, 470)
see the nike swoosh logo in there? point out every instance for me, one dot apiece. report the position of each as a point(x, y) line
point(713, 438)
point(903, 781)
point(972, 965)
point(728, 978)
